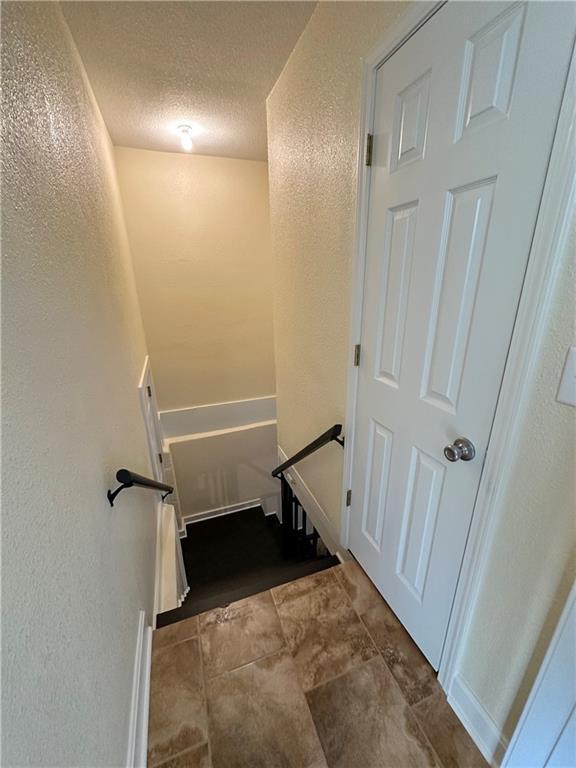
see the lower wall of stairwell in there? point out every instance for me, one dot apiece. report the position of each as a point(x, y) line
point(224, 466)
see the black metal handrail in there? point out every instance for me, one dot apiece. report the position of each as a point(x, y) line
point(331, 435)
point(127, 478)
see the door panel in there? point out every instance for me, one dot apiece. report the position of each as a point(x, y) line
point(488, 72)
point(424, 487)
point(377, 483)
point(399, 248)
point(465, 226)
point(465, 114)
point(410, 123)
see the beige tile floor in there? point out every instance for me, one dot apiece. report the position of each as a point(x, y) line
point(317, 673)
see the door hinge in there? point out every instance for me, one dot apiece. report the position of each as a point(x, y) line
point(160, 459)
point(357, 355)
point(149, 390)
point(348, 497)
point(369, 146)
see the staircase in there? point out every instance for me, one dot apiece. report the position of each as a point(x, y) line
point(234, 556)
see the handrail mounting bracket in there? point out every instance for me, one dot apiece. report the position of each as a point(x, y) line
point(128, 479)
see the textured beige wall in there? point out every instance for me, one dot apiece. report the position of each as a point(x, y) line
point(313, 123)
point(313, 116)
point(532, 562)
point(200, 239)
point(75, 572)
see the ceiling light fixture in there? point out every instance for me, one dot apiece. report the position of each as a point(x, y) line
point(186, 132)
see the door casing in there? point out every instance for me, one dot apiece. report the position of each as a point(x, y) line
point(557, 209)
point(153, 440)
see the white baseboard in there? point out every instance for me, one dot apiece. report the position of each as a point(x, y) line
point(214, 416)
point(316, 514)
point(138, 727)
point(483, 730)
point(230, 510)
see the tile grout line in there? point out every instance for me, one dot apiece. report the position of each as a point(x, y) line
point(396, 683)
point(376, 644)
point(302, 578)
point(240, 666)
point(247, 663)
point(408, 705)
point(284, 647)
point(179, 754)
point(341, 674)
point(203, 676)
point(178, 642)
point(338, 584)
point(298, 681)
point(166, 760)
point(356, 666)
point(425, 698)
point(364, 663)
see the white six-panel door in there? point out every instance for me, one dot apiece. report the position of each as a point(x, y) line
point(465, 114)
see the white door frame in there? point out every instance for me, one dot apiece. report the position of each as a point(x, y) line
point(151, 440)
point(552, 699)
point(557, 209)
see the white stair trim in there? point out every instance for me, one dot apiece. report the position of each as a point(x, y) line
point(138, 727)
point(214, 416)
point(167, 442)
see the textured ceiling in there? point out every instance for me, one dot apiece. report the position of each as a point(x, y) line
point(154, 65)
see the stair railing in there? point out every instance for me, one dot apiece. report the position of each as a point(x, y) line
point(128, 479)
point(331, 435)
point(297, 540)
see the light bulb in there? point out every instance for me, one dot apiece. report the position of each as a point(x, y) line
point(186, 137)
